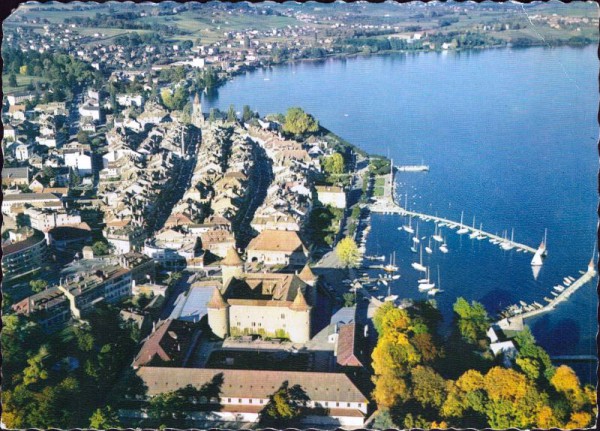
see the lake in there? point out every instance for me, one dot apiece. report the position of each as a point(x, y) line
point(510, 136)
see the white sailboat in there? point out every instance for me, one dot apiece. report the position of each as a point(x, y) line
point(539, 253)
point(437, 235)
point(419, 265)
point(428, 247)
point(480, 235)
point(473, 234)
point(416, 239)
point(391, 267)
point(438, 289)
point(506, 245)
point(444, 247)
point(425, 279)
point(389, 296)
point(463, 229)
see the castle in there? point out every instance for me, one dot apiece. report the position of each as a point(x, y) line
point(273, 305)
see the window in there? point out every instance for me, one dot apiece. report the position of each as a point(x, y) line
point(349, 404)
point(229, 400)
point(239, 400)
point(250, 400)
point(337, 404)
point(283, 316)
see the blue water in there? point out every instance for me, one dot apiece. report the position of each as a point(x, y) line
point(510, 137)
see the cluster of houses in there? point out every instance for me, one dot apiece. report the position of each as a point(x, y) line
point(289, 197)
point(137, 167)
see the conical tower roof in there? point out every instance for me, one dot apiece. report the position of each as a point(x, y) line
point(232, 258)
point(299, 303)
point(306, 274)
point(196, 99)
point(217, 300)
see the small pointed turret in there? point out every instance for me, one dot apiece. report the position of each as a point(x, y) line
point(217, 300)
point(300, 303)
point(232, 258)
point(307, 275)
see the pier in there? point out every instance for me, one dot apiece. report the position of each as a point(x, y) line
point(386, 206)
point(516, 321)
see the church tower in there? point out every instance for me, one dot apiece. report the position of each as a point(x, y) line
point(197, 116)
point(232, 266)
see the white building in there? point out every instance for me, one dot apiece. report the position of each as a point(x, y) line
point(332, 195)
point(80, 161)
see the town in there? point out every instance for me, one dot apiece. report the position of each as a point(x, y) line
point(168, 264)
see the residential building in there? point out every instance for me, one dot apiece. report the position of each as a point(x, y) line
point(331, 195)
point(15, 176)
point(278, 247)
point(23, 253)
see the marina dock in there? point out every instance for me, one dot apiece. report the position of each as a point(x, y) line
point(515, 321)
point(385, 206)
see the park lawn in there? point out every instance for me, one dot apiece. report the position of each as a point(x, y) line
point(380, 182)
point(22, 80)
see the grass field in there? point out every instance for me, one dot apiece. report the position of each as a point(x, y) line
point(22, 82)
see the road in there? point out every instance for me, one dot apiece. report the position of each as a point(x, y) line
point(175, 189)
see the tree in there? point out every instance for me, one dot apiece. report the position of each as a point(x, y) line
point(247, 113)
point(231, 115)
point(472, 320)
point(36, 370)
point(104, 418)
point(100, 248)
point(212, 116)
point(428, 387)
point(347, 252)
point(348, 299)
point(284, 406)
point(38, 285)
point(12, 80)
point(334, 164)
point(298, 122)
point(169, 408)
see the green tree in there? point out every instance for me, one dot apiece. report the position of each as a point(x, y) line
point(105, 418)
point(212, 116)
point(298, 122)
point(334, 164)
point(38, 285)
point(348, 299)
point(247, 113)
point(36, 369)
point(283, 407)
point(428, 387)
point(473, 320)
point(12, 80)
point(100, 248)
point(348, 253)
point(169, 409)
point(231, 115)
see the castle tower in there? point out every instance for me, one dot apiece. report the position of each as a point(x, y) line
point(299, 328)
point(218, 314)
point(232, 266)
point(309, 277)
point(197, 116)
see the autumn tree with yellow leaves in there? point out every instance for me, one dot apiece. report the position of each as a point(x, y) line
point(413, 392)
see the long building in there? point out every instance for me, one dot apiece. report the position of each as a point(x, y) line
point(332, 398)
point(24, 255)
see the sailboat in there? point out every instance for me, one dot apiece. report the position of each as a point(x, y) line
point(425, 279)
point(428, 247)
point(426, 284)
point(416, 239)
point(419, 265)
point(391, 267)
point(506, 245)
point(408, 228)
point(539, 253)
point(389, 296)
point(436, 236)
point(480, 235)
point(463, 229)
point(438, 289)
point(474, 233)
point(444, 247)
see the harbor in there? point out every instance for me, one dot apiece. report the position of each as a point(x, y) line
point(513, 316)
